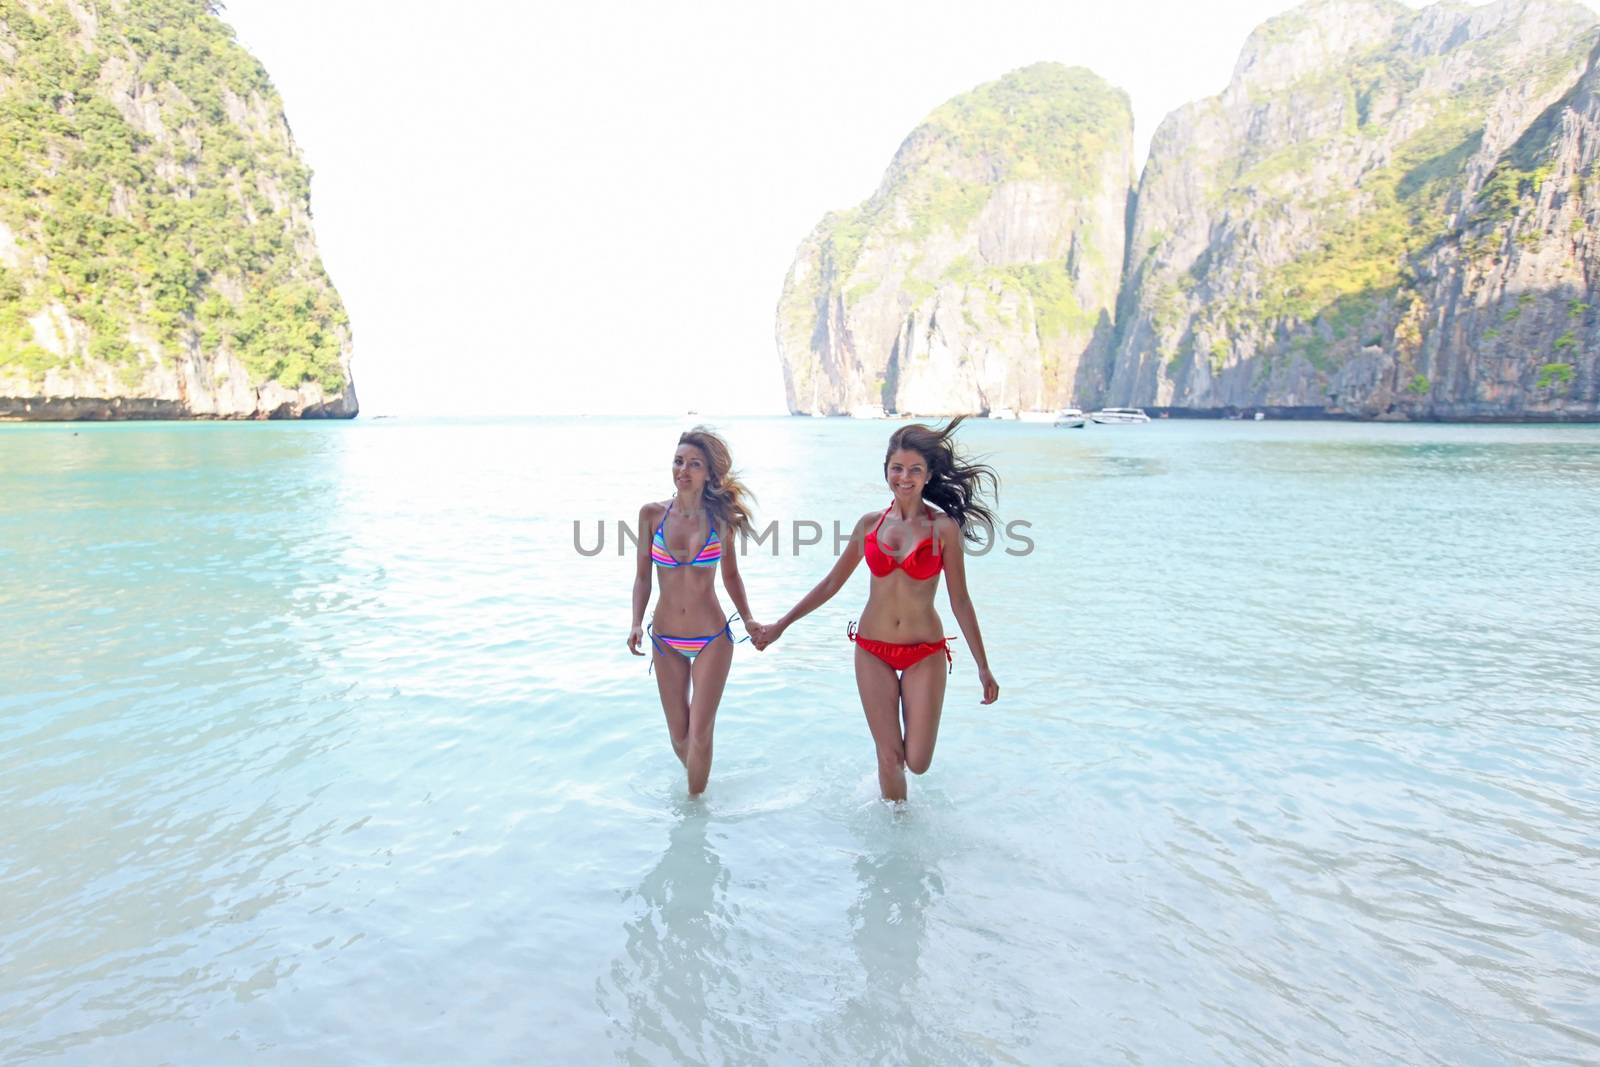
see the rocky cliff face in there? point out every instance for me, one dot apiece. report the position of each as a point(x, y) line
point(1387, 212)
point(156, 251)
point(984, 270)
point(1506, 319)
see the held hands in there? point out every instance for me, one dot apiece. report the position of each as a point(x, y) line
point(635, 639)
point(991, 688)
point(763, 635)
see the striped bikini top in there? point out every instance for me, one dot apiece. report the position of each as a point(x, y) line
point(710, 553)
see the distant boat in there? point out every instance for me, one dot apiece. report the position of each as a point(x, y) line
point(1115, 416)
point(1070, 419)
point(1260, 416)
point(1037, 416)
point(1002, 413)
point(867, 411)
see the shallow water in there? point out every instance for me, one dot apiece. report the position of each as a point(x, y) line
point(319, 744)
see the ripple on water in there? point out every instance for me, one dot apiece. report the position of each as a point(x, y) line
point(321, 745)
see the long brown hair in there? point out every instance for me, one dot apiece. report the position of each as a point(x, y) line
point(726, 497)
point(955, 483)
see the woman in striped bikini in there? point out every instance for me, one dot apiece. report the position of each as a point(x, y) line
point(691, 638)
point(900, 638)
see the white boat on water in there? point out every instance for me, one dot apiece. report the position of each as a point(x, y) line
point(1002, 413)
point(1036, 416)
point(867, 411)
point(1070, 419)
point(1115, 416)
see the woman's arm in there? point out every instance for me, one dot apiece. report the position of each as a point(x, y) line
point(955, 575)
point(824, 590)
point(733, 582)
point(641, 580)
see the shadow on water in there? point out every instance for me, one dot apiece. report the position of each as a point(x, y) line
point(662, 994)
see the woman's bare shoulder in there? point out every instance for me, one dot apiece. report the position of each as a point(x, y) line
point(947, 529)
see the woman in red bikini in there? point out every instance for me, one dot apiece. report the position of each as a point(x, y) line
point(693, 642)
point(900, 637)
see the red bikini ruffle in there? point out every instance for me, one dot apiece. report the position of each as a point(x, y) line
point(900, 657)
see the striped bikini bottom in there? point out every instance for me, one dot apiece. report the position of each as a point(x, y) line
point(690, 647)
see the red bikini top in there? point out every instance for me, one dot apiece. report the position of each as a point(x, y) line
point(922, 563)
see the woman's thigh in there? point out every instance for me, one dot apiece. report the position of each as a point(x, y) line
point(922, 692)
point(710, 672)
point(672, 682)
point(879, 687)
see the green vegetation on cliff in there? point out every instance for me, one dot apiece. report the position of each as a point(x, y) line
point(1552, 375)
point(1402, 208)
point(1369, 233)
point(988, 257)
point(1048, 287)
point(188, 228)
point(1045, 122)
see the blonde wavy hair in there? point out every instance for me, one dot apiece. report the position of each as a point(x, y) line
point(727, 498)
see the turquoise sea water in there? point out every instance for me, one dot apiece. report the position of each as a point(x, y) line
point(319, 744)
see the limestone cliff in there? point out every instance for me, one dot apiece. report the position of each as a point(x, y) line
point(1387, 213)
point(984, 270)
point(156, 250)
point(1507, 313)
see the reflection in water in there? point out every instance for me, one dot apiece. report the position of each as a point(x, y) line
point(889, 919)
point(892, 1018)
point(677, 961)
point(889, 925)
point(291, 711)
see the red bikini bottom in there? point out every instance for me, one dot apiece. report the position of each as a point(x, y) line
point(900, 657)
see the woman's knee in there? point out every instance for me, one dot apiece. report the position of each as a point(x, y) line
point(919, 762)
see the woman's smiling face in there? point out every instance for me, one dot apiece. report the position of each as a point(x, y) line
point(907, 473)
point(689, 469)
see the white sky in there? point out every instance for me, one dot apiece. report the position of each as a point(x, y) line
point(556, 208)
